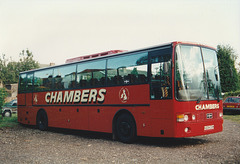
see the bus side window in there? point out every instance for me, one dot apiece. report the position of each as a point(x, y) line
point(58, 82)
point(49, 83)
point(29, 85)
point(161, 76)
point(129, 69)
point(65, 77)
point(43, 80)
point(91, 74)
point(22, 83)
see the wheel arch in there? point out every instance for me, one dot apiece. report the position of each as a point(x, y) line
point(7, 109)
point(41, 112)
point(114, 121)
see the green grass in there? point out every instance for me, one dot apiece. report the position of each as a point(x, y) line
point(235, 118)
point(8, 121)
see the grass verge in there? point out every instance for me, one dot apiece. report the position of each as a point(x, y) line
point(235, 118)
point(8, 121)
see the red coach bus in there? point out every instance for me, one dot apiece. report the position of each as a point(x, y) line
point(171, 90)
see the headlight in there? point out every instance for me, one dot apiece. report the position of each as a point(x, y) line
point(185, 117)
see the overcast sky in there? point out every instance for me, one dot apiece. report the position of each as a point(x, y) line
point(55, 30)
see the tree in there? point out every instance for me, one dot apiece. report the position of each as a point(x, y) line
point(2, 68)
point(11, 73)
point(27, 62)
point(9, 69)
point(3, 95)
point(228, 73)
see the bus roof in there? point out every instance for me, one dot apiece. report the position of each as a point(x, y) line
point(80, 58)
point(116, 53)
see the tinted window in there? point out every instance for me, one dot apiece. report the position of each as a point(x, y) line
point(64, 77)
point(29, 85)
point(22, 83)
point(43, 80)
point(14, 104)
point(131, 69)
point(161, 74)
point(91, 74)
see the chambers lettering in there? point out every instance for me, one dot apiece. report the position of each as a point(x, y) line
point(206, 106)
point(76, 96)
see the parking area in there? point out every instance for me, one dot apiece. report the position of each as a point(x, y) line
point(22, 144)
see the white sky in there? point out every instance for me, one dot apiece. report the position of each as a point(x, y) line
point(55, 30)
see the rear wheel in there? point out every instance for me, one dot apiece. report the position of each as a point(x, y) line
point(42, 120)
point(126, 128)
point(7, 113)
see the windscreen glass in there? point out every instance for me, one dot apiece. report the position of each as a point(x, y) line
point(192, 80)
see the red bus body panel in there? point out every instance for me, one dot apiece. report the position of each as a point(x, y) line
point(155, 118)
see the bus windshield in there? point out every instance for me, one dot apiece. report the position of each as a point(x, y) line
point(197, 76)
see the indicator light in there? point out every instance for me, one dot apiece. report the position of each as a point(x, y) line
point(193, 117)
point(180, 118)
point(185, 117)
point(220, 114)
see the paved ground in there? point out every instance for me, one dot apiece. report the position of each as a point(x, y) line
point(28, 145)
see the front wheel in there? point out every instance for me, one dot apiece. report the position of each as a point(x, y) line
point(126, 128)
point(42, 120)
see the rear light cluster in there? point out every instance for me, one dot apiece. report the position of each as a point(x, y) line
point(186, 117)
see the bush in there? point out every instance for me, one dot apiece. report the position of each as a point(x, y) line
point(3, 95)
point(227, 94)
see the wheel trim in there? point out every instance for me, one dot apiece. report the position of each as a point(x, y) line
point(125, 129)
point(7, 114)
point(42, 121)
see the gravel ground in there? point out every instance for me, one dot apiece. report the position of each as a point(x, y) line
point(28, 145)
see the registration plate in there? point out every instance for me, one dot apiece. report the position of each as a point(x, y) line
point(209, 127)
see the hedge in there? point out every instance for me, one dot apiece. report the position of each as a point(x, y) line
point(3, 95)
point(227, 94)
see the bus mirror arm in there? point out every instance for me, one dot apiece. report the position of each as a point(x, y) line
point(199, 99)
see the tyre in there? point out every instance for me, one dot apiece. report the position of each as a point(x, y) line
point(126, 128)
point(42, 120)
point(7, 113)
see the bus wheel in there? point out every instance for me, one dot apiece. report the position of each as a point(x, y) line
point(42, 120)
point(126, 128)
